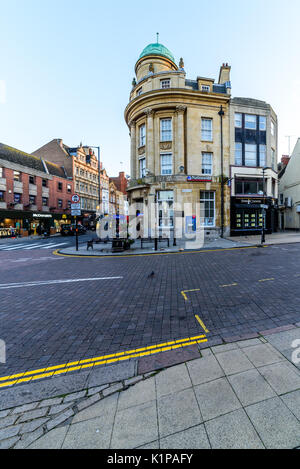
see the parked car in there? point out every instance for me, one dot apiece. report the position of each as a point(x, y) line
point(69, 230)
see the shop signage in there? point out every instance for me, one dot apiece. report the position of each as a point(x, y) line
point(199, 178)
point(264, 206)
point(41, 215)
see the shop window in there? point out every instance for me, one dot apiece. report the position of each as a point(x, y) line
point(238, 120)
point(165, 130)
point(142, 163)
point(17, 198)
point(207, 163)
point(31, 180)
point(262, 123)
point(238, 154)
point(17, 176)
point(250, 155)
point(142, 135)
point(207, 129)
point(262, 155)
point(166, 163)
point(250, 121)
point(165, 83)
point(207, 208)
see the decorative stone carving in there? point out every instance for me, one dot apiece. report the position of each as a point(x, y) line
point(149, 112)
point(133, 82)
point(141, 150)
point(132, 123)
point(165, 145)
point(181, 63)
point(180, 109)
point(151, 68)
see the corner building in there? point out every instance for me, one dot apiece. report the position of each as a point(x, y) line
point(179, 144)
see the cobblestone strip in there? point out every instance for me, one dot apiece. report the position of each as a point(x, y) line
point(20, 426)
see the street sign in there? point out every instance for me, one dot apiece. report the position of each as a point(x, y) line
point(75, 207)
point(75, 199)
point(76, 213)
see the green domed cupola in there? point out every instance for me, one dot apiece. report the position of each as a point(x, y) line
point(157, 49)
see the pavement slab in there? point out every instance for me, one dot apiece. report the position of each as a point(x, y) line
point(204, 369)
point(216, 398)
point(191, 438)
point(233, 431)
point(177, 411)
point(172, 380)
point(234, 361)
point(133, 429)
point(250, 387)
point(275, 424)
point(281, 377)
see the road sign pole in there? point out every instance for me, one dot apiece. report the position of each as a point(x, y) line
point(76, 233)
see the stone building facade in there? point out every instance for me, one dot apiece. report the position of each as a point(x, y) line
point(34, 193)
point(81, 164)
point(289, 191)
point(253, 169)
point(180, 154)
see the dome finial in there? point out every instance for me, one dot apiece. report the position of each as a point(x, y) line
point(157, 38)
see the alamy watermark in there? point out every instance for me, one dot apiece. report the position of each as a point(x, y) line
point(296, 353)
point(2, 351)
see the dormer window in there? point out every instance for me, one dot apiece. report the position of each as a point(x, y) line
point(165, 83)
point(205, 88)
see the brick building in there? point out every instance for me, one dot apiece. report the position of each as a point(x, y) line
point(34, 194)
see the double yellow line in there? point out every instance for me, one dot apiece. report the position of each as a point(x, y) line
point(103, 360)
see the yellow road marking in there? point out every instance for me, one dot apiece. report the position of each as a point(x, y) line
point(201, 324)
point(127, 357)
point(188, 291)
point(104, 358)
point(230, 285)
point(204, 251)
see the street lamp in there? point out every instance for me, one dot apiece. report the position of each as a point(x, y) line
point(263, 210)
point(221, 114)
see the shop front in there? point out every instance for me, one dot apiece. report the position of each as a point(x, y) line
point(24, 223)
point(248, 215)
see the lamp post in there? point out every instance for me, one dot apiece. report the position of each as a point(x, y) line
point(264, 210)
point(221, 114)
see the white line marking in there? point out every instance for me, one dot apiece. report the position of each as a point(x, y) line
point(34, 246)
point(49, 246)
point(11, 248)
point(4, 286)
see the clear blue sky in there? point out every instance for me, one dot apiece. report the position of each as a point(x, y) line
point(67, 65)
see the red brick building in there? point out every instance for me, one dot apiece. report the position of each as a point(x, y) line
point(35, 195)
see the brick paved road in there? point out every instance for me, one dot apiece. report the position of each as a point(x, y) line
point(51, 324)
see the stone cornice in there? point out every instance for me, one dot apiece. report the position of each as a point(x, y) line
point(157, 100)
